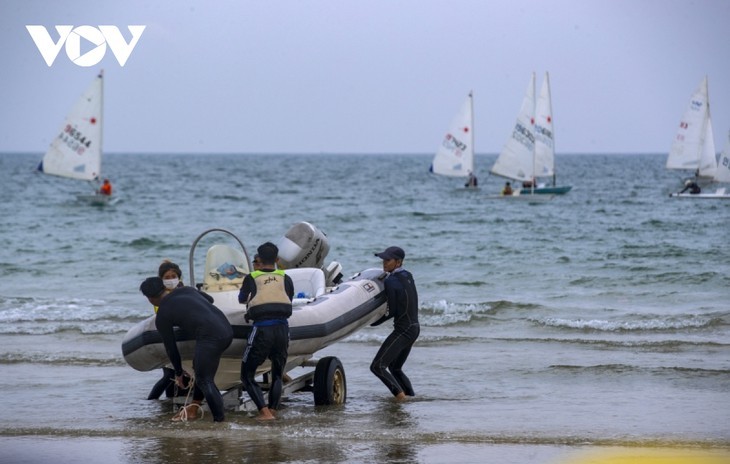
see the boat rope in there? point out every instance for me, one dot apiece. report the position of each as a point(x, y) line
point(183, 411)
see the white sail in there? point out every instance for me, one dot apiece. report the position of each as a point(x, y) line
point(76, 151)
point(516, 161)
point(708, 156)
point(455, 155)
point(694, 147)
point(722, 173)
point(544, 134)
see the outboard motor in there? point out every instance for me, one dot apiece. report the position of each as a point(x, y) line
point(303, 245)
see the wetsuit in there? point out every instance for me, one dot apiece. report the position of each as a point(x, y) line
point(400, 290)
point(189, 310)
point(167, 384)
point(693, 188)
point(269, 294)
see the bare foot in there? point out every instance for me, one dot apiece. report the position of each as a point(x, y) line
point(265, 415)
point(401, 397)
point(188, 413)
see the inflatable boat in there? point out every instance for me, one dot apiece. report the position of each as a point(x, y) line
point(326, 308)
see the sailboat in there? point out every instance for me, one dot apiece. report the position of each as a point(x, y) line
point(75, 153)
point(694, 147)
point(529, 152)
point(455, 156)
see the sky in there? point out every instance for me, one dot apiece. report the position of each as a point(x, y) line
point(368, 76)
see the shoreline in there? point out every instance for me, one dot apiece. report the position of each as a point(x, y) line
point(204, 444)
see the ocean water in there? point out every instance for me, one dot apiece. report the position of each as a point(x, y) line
point(599, 320)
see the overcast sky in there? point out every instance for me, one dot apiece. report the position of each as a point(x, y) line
point(363, 76)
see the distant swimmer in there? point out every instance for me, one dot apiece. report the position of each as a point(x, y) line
point(106, 188)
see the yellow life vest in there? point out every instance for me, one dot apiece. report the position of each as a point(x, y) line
point(269, 288)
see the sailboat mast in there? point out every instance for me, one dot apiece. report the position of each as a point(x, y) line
point(471, 124)
point(534, 145)
point(703, 133)
point(101, 117)
point(552, 126)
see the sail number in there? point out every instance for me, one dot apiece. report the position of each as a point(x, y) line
point(523, 135)
point(454, 144)
point(74, 139)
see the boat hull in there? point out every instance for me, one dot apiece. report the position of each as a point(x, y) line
point(95, 199)
point(314, 325)
point(719, 194)
point(530, 198)
point(547, 190)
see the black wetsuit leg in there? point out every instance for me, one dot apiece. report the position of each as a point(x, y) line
point(164, 385)
point(253, 357)
point(265, 342)
point(205, 363)
point(278, 353)
point(392, 355)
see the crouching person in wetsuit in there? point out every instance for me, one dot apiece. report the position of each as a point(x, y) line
point(189, 310)
point(268, 293)
point(400, 291)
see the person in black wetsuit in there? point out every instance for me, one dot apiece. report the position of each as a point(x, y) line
point(171, 276)
point(268, 294)
point(692, 186)
point(192, 312)
point(400, 290)
point(471, 181)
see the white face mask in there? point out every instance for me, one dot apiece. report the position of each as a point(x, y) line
point(171, 284)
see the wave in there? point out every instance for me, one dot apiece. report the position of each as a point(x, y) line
point(442, 313)
point(657, 323)
point(626, 368)
point(60, 359)
point(144, 243)
point(99, 328)
point(39, 316)
point(658, 346)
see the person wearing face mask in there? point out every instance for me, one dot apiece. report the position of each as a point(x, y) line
point(171, 276)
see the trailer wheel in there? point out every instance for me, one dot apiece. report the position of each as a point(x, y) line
point(330, 385)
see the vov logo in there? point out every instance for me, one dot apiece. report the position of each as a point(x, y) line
point(71, 36)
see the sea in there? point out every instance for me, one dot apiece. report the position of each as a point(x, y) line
point(594, 327)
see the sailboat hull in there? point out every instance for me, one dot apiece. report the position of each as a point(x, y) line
point(95, 199)
point(719, 194)
point(547, 190)
point(527, 197)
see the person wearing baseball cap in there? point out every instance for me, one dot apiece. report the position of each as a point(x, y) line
point(402, 297)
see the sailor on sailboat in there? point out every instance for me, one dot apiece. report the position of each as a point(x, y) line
point(75, 153)
point(694, 147)
point(455, 155)
point(529, 152)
